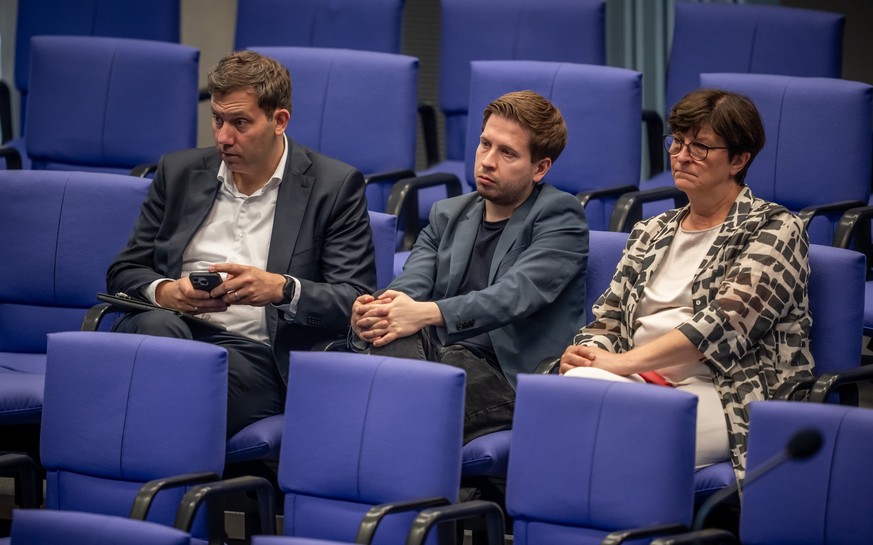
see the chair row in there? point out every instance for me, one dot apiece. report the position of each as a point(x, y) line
point(373, 450)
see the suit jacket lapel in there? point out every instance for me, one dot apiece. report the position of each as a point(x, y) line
point(291, 205)
point(202, 188)
point(462, 246)
point(511, 231)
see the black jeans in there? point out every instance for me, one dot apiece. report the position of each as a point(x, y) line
point(490, 398)
point(255, 389)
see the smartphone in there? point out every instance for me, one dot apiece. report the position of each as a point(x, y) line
point(204, 280)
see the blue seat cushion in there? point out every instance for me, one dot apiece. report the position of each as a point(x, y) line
point(486, 456)
point(257, 441)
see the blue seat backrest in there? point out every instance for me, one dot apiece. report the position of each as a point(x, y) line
point(712, 37)
point(546, 30)
point(359, 107)
point(604, 253)
point(374, 25)
point(63, 230)
point(154, 20)
point(363, 430)
point(384, 230)
point(96, 85)
point(819, 145)
point(123, 409)
point(836, 302)
point(599, 455)
point(823, 499)
point(601, 106)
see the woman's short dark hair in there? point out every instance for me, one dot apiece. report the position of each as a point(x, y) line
point(548, 132)
point(731, 116)
point(268, 79)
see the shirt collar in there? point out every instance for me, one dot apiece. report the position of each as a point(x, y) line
point(224, 175)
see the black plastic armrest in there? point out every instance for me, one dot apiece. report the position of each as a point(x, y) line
point(26, 475)
point(147, 492)
point(391, 175)
point(840, 382)
point(585, 196)
point(95, 315)
point(492, 513)
point(374, 516)
point(13, 158)
point(143, 170)
point(628, 208)
point(548, 365)
point(854, 225)
point(712, 536)
point(794, 389)
point(195, 497)
point(336, 345)
point(621, 536)
point(807, 214)
point(403, 200)
point(427, 116)
point(5, 113)
point(654, 132)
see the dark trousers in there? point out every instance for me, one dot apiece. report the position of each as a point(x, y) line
point(489, 399)
point(255, 389)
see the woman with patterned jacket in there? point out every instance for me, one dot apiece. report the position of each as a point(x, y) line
point(710, 298)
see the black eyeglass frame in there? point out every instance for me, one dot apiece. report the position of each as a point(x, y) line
point(669, 139)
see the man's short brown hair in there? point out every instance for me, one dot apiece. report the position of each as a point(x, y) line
point(548, 132)
point(267, 79)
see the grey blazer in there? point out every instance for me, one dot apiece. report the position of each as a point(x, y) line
point(321, 235)
point(535, 302)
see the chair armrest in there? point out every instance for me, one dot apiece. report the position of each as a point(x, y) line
point(208, 492)
point(95, 315)
point(794, 389)
point(585, 196)
point(427, 116)
point(846, 383)
point(628, 209)
point(13, 158)
point(807, 214)
point(147, 492)
point(654, 126)
point(548, 366)
point(854, 225)
point(143, 170)
point(621, 536)
point(391, 175)
point(712, 536)
point(403, 200)
point(5, 113)
point(26, 475)
point(492, 513)
point(374, 516)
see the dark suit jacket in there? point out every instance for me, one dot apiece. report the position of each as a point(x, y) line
point(321, 235)
point(536, 298)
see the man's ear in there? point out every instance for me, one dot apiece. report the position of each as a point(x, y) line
point(542, 166)
point(281, 117)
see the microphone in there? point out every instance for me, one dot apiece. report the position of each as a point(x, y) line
point(802, 445)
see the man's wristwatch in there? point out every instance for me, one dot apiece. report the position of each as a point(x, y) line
point(288, 290)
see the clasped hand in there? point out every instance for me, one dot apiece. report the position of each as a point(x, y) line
point(244, 285)
point(392, 316)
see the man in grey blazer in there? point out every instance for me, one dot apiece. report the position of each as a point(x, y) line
point(497, 278)
point(285, 227)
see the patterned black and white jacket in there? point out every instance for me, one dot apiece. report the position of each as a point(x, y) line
point(751, 308)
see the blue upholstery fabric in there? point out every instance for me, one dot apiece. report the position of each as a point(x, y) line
point(40, 527)
point(602, 107)
point(384, 231)
point(284, 540)
point(363, 430)
point(592, 456)
point(63, 230)
point(357, 106)
point(153, 20)
point(123, 409)
point(487, 455)
point(546, 30)
point(754, 39)
point(824, 499)
point(108, 81)
point(374, 25)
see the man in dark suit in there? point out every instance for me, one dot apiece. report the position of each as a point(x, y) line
point(285, 227)
point(498, 276)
